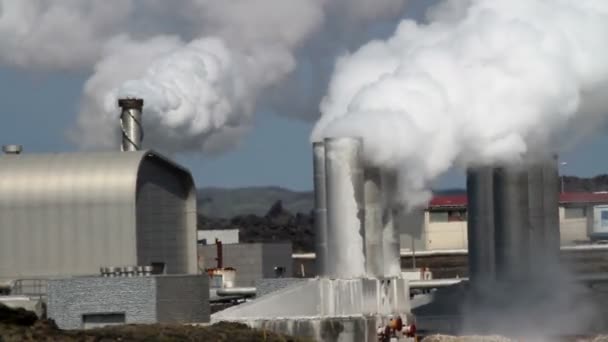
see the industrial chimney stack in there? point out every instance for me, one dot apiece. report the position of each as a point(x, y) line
point(130, 123)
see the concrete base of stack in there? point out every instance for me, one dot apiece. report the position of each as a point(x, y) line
point(326, 309)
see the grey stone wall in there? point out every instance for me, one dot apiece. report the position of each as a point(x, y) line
point(155, 299)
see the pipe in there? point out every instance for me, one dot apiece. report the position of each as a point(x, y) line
point(130, 123)
point(236, 291)
point(435, 283)
point(511, 222)
point(551, 183)
point(345, 212)
point(391, 244)
point(320, 210)
point(480, 224)
point(536, 209)
point(373, 222)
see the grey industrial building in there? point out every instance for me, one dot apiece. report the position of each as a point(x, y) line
point(252, 261)
point(68, 214)
point(88, 302)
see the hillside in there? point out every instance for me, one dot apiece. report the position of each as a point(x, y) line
point(227, 203)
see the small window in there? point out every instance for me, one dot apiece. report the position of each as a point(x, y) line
point(575, 212)
point(439, 216)
point(98, 320)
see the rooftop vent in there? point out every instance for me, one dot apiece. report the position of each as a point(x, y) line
point(12, 149)
point(130, 123)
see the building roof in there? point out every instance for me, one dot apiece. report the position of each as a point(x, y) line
point(74, 177)
point(460, 201)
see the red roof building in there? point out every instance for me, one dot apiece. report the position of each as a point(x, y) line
point(460, 201)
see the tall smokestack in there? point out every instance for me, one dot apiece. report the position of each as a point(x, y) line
point(511, 222)
point(318, 149)
point(480, 224)
point(345, 212)
point(391, 244)
point(372, 192)
point(551, 184)
point(130, 123)
point(543, 179)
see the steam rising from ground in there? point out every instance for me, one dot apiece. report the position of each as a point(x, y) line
point(202, 66)
point(485, 81)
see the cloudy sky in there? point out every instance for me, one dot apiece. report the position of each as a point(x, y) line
point(39, 107)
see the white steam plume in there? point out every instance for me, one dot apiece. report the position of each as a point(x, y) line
point(203, 93)
point(203, 67)
point(484, 81)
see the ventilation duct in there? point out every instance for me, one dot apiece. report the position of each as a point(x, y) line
point(130, 123)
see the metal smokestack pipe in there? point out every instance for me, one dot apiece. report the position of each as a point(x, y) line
point(537, 211)
point(320, 210)
point(372, 194)
point(391, 244)
point(543, 182)
point(511, 222)
point(480, 224)
point(130, 123)
point(551, 189)
point(345, 211)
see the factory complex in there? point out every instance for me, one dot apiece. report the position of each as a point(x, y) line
point(93, 239)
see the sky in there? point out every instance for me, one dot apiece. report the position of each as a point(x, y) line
point(37, 109)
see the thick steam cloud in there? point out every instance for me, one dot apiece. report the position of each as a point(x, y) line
point(203, 67)
point(485, 81)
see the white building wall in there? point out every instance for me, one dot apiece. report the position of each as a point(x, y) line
point(453, 235)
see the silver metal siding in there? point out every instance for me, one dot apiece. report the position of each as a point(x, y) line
point(320, 209)
point(70, 213)
point(511, 222)
point(480, 224)
point(373, 222)
point(162, 210)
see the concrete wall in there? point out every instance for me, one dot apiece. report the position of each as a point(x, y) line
point(252, 261)
point(156, 299)
point(573, 229)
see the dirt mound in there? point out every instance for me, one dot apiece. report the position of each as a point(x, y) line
point(21, 325)
point(20, 317)
point(45, 330)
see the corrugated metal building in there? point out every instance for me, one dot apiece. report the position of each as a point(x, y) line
point(67, 214)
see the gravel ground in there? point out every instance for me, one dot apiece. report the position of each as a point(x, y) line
point(21, 325)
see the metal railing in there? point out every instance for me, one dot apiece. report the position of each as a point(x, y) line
point(30, 287)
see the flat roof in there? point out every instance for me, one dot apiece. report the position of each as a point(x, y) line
point(460, 200)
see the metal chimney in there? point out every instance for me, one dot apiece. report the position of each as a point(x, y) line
point(372, 192)
point(512, 223)
point(480, 224)
point(391, 244)
point(130, 123)
point(543, 179)
point(320, 211)
point(12, 149)
point(345, 212)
